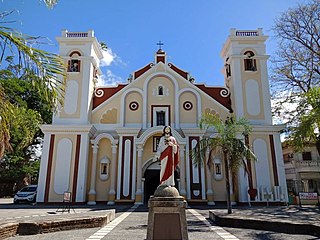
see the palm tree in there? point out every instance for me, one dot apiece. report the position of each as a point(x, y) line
point(227, 143)
point(46, 66)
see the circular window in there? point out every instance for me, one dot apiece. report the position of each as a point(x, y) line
point(187, 105)
point(133, 106)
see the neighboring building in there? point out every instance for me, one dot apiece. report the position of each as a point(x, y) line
point(101, 143)
point(302, 169)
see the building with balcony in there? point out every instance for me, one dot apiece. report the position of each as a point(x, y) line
point(302, 169)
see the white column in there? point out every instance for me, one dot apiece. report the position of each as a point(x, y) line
point(208, 180)
point(139, 175)
point(92, 190)
point(83, 168)
point(119, 168)
point(182, 171)
point(43, 168)
point(112, 190)
point(143, 184)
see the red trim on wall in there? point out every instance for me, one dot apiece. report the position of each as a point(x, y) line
point(192, 185)
point(108, 92)
point(274, 161)
point(161, 59)
point(124, 138)
point(76, 168)
point(49, 167)
point(169, 112)
point(75, 52)
point(214, 92)
point(141, 71)
point(178, 70)
point(249, 164)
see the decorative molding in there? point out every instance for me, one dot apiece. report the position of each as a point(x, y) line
point(99, 92)
point(187, 105)
point(97, 139)
point(165, 108)
point(159, 129)
point(123, 103)
point(224, 92)
point(134, 106)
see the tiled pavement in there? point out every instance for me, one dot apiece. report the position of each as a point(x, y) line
point(132, 224)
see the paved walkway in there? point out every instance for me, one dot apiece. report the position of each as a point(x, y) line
point(133, 225)
point(131, 221)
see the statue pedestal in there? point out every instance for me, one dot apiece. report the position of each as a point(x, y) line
point(167, 215)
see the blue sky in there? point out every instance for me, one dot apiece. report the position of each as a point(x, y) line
point(193, 31)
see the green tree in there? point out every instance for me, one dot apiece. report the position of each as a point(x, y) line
point(233, 150)
point(21, 92)
point(296, 70)
point(307, 131)
point(21, 161)
point(29, 108)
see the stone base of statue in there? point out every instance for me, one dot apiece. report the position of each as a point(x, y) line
point(167, 215)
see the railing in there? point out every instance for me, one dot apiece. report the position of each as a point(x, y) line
point(77, 34)
point(247, 33)
point(308, 163)
point(290, 170)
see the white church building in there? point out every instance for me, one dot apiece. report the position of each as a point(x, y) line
point(100, 145)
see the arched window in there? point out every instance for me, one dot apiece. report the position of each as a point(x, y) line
point(160, 90)
point(74, 63)
point(250, 63)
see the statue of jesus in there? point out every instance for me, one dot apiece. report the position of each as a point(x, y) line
point(168, 155)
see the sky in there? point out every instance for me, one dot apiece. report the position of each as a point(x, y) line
point(193, 31)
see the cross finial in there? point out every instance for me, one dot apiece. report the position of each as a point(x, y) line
point(160, 45)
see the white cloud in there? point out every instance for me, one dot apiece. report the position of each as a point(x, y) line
point(110, 57)
point(109, 79)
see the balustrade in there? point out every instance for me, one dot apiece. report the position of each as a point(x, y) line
point(77, 34)
point(247, 33)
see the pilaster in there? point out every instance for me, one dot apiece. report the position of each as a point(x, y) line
point(92, 191)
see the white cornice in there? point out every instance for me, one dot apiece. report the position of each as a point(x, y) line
point(260, 57)
point(193, 131)
point(267, 128)
point(68, 129)
point(92, 40)
point(129, 131)
point(255, 129)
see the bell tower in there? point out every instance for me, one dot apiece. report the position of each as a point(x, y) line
point(82, 54)
point(245, 71)
point(64, 160)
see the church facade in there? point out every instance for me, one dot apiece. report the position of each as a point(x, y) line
point(102, 141)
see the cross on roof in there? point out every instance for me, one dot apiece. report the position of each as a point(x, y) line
point(160, 44)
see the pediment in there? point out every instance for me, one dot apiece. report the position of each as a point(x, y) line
point(179, 78)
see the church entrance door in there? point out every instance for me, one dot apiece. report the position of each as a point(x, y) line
point(152, 180)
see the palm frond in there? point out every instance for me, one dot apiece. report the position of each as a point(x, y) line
point(47, 66)
point(5, 114)
point(198, 153)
